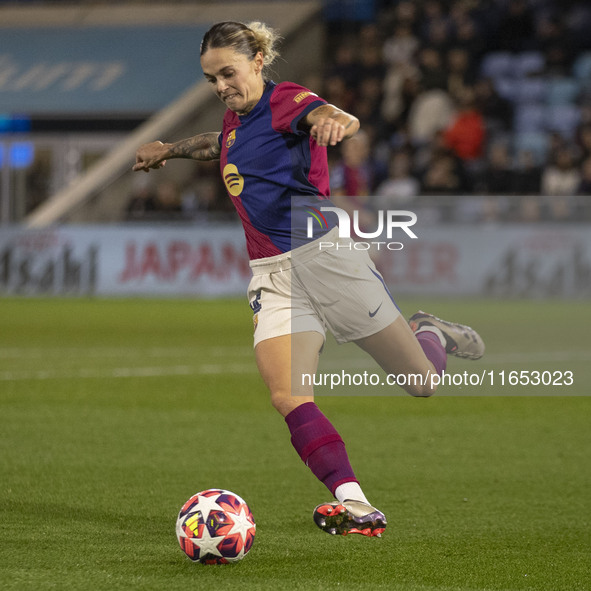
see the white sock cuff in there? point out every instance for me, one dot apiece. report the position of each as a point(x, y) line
point(350, 491)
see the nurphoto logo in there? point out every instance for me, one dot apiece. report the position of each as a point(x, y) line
point(387, 222)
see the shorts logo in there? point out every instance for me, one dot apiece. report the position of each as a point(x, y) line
point(231, 139)
point(233, 179)
point(300, 97)
point(372, 314)
point(256, 306)
point(255, 303)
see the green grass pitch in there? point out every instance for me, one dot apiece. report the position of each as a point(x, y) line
point(114, 412)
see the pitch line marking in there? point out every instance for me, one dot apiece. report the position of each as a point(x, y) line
point(128, 372)
point(40, 352)
point(235, 368)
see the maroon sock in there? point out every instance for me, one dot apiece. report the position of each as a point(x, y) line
point(319, 445)
point(433, 349)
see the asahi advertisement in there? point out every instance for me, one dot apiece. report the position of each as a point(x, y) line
point(40, 263)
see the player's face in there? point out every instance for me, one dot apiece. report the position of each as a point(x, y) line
point(236, 79)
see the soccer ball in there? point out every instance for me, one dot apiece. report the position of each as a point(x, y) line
point(215, 526)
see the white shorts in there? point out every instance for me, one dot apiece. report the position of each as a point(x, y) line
point(309, 289)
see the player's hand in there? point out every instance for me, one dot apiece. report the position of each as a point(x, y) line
point(327, 131)
point(150, 156)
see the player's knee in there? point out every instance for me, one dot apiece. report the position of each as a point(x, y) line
point(421, 388)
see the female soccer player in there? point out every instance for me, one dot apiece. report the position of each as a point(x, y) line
point(273, 154)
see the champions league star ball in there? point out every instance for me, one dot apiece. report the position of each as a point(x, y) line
point(215, 526)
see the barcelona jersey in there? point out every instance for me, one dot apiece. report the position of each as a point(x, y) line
point(273, 171)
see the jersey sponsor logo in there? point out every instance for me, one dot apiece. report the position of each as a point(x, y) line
point(231, 139)
point(233, 179)
point(302, 95)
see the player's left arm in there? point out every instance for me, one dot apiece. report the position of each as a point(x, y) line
point(204, 146)
point(329, 125)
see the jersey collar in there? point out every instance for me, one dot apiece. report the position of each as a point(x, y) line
point(269, 87)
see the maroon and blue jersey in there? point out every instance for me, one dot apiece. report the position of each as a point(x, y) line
point(273, 171)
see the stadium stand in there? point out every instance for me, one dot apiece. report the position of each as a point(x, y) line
point(534, 56)
point(523, 66)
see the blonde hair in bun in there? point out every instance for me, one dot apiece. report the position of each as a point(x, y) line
point(267, 40)
point(247, 39)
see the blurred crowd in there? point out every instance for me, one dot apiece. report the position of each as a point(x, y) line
point(457, 99)
point(202, 198)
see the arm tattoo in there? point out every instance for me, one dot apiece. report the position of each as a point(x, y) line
point(330, 112)
point(204, 146)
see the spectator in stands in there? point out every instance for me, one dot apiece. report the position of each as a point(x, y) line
point(346, 65)
point(372, 63)
point(432, 10)
point(517, 25)
point(553, 38)
point(460, 75)
point(355, 176)
point(497, 111)
point(561, 176)
point(497, 176)
point(560, 181)
point(203, 198)
point(585, 183)
point(467, 35)
point(584, 140)
point(400, 88)
point(526, 175)
point(432, 69)
point(466, 134)
point(434, 30)
point(585, 107)
point(431, 111)
point(367, 106)
point(443, 176)
point(401, 47)
point(338, 93)
point(425, 154)
point(556, 143)
point(401, 187)
point(579, 21)
point(371, 34)
point(168, 201)
point(395, 13)
point(199, 200)
point(406, 12)
point(357, 173)
point(142, 202)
